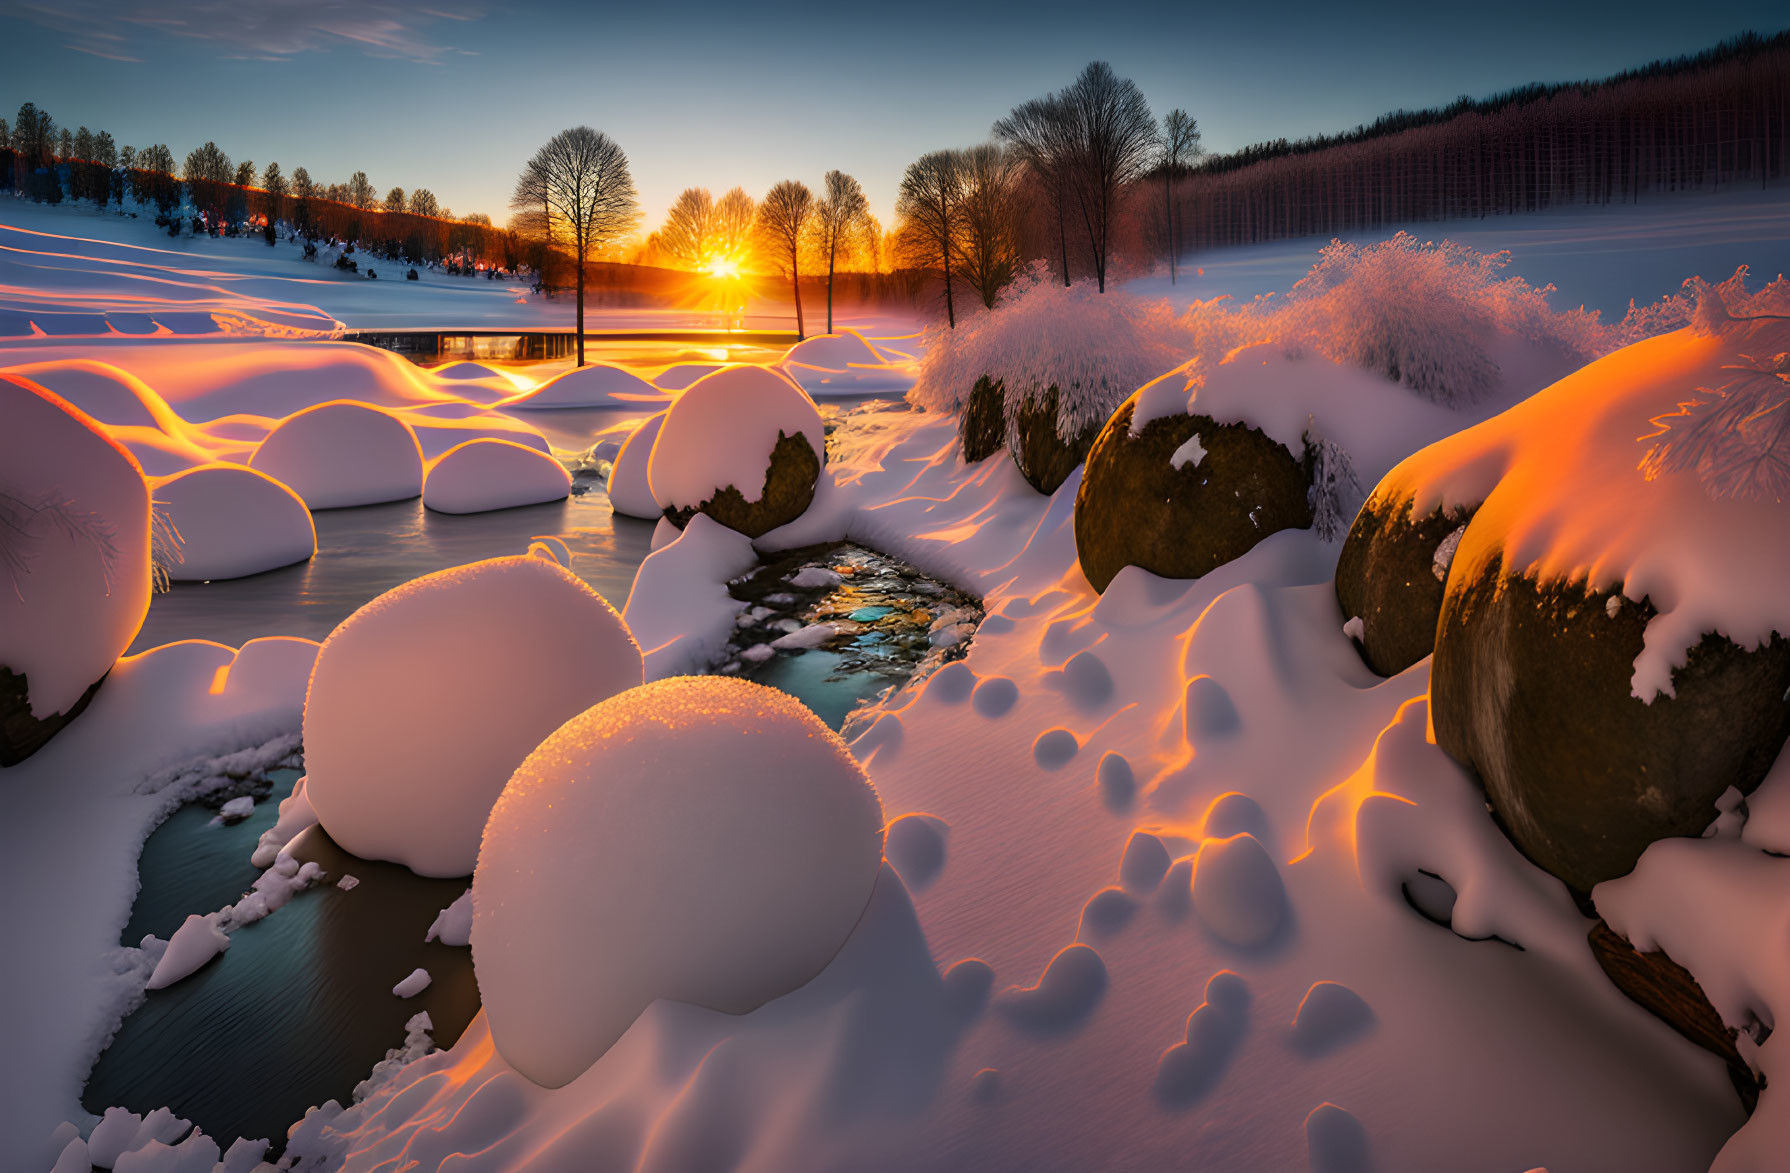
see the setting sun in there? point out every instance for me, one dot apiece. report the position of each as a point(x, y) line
point(724, 269)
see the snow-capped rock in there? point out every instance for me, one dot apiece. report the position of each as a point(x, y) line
point(343, 453)
point(482, 475)
point(233, 521)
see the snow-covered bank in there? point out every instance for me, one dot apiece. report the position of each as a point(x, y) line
point(1124, 796)
point(166, 725)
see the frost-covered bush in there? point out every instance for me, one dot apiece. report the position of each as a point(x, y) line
point(1423, 314)
point(1094, 348)
point(1735, 435)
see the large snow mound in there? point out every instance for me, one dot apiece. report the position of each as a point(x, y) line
point(721, 432)
point(424, 701)
point(704, 840)
point(1622, 473)
point(131, 412)
point(845, 364)
point(74, 546)
point(233, 521)
point(343, 453)
point(630, 492)
point(486, 474)
point(596, 385)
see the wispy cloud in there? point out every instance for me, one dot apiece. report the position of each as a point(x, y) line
point(265, 30)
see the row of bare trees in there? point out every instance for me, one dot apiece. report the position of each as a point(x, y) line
point(1080, 154)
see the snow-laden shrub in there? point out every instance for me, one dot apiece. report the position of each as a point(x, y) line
point(1336, 492)
point(1735, 435)
point(1094, 348)
point(1424, 314)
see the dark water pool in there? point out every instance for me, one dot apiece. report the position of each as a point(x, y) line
point(299, 1008)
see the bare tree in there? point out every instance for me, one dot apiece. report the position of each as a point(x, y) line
point(839, 222)
point(734, 213)
point(245, 174)
point(928, 207)
point(1114, 134)
point(422, 203)
point(987, 242)
point(689, 232)
point(395, 201)
point(273, 182)
point(302, 185)
point(782, 223)
point(1041, 131)
point(1180, 145)
point(580, 178)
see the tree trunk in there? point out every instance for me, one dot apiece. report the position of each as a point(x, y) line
point(1168, 215)
point(1062, 236)
point(580, 303)
point(831, 252)
point(945, 251)
point(795, 285)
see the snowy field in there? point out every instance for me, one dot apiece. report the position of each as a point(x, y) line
point(1159, 875)
point(1599, 258)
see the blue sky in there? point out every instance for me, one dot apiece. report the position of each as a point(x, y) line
point(454, 95)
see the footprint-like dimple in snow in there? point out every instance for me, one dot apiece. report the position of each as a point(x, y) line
point(1237, 891)
point(1330, 1015)
point(1190, 1069)
point(1086, 681)
point(995, 625)
point(953, 682)
point(1174, 896)
point(985, 1085)
point(1065, 995)
point(994, 696)
point(882, 736)
point(1118, 785)
point(1335, 1141)
point(1054, 748)
point(1105, 913)
point(915, 846)
point(1144, 864)
point(1208, 711)
point(968, 985)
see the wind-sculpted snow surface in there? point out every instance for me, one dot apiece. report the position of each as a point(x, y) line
point(1246, 796)
point(426, 699)
point(596, 385)
point(846, 364)
point(700, 839)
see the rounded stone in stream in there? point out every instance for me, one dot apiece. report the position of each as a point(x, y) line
point(1137, 508)
point(1390, 575)
point(1044, 458)
point(789, 483)
point(983, 425)
point(1531, 688)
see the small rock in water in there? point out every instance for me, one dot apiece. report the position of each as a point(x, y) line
point(416, 983)
point(237, 809)
point(348, 883)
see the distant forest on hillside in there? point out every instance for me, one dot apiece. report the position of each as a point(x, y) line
point(1709, 122)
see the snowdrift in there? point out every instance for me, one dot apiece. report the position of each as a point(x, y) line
point(341, 454)
point(233, 521)
point(596, 385)
point(486, 474)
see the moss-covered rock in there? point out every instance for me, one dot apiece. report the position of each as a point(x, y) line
point(1390, 575)
point(22, 734)
point(788, 490)
point(1531, 688)
point(1043, 457)
point(983, 424)
point(1136, 508)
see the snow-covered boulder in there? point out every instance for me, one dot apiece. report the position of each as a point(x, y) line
point(596, 385)
point(75, 566)
point(743, 445)
point(343, 453)
point(1182, 495)
point(482, 475)
point(845, 363)
point(424, 701)
point(1611, 653)
point(630, 491)
point(233, 521)
point(700, 839)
